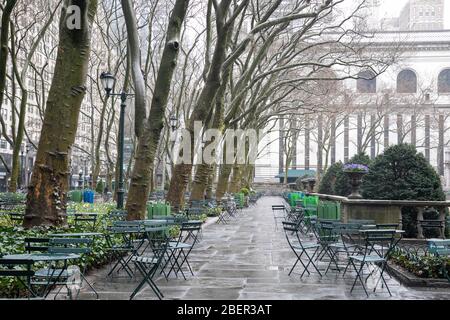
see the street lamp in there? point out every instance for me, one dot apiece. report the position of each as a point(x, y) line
point(22, 167)
point(26, 168)
point(108, 81)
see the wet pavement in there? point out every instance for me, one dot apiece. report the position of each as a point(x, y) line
point(249, 259)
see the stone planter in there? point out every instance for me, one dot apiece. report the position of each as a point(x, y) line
point(311, 185)
point(308, 184)
point(355, 183)
point(305, 185)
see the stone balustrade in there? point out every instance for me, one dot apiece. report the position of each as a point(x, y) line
point(387, 211)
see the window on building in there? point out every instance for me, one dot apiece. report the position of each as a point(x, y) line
point(444, 81)
point(367, 82)
point(407, 82)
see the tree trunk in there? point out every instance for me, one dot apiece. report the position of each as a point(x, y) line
point(204, 171)
point(46, 199)
point(202, 109)
point(149, 139)
point(222, 184)
point(97, 164)
point(209, 187)
point(4, 36)
point(134, 52)
point(235, 185)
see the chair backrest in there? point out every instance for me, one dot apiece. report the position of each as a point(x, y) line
point(325, 230)
point(36, 244)
point(126, 227)
point(292, 233)
point(16, 268)
point(380, 241)
point(190, 230)
point(70, 245)
point(158, 240)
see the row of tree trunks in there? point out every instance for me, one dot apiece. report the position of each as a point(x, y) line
point(46, 199)
point(204, 104)
point(151, 132)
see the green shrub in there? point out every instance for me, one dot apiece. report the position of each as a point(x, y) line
point(245, 191)
point(100, 187)
point(426, 266)
point(12, 241)
point(342, 185)
point(328, 181)
point(13, 197)
point(401, 173)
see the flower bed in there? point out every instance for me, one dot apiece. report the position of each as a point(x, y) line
point(426, 266)
point(12, 242)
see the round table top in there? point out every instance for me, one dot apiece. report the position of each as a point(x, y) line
point(42, 257)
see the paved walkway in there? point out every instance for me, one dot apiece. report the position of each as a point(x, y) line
point(249, 259)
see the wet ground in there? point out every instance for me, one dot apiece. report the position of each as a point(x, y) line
point(249, 259)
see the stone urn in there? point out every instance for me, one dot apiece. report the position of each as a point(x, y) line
point(305, 184)
point(311, 184)
point(355, 183)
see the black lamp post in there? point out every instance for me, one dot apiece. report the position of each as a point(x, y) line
point(80, 180)
point(21, 168)
point(108, 81)
point(26, 164)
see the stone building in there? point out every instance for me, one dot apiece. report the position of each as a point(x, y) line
point(409, 102)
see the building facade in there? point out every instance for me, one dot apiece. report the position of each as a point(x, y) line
point(408, 103)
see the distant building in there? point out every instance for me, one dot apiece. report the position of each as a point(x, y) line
point(422, 15)
point(409, 103)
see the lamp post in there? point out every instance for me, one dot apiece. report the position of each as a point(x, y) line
point(173, 122)
point(108, 81)
point(25, 167)
point(21, 168)
point(80, 180)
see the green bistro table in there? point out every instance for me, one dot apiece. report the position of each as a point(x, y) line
point(46, 257)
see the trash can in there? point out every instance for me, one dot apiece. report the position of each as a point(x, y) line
point(88, 196)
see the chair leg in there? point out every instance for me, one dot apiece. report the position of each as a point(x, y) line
point(311, 259)
point(358, 276)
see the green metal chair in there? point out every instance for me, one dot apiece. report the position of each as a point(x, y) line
point(36, 244)
point(378, 245)
point(121, 240)
point(65, 277)
point(182, 247)
point(300, 248)
point(148, 264)
point(21, 270)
